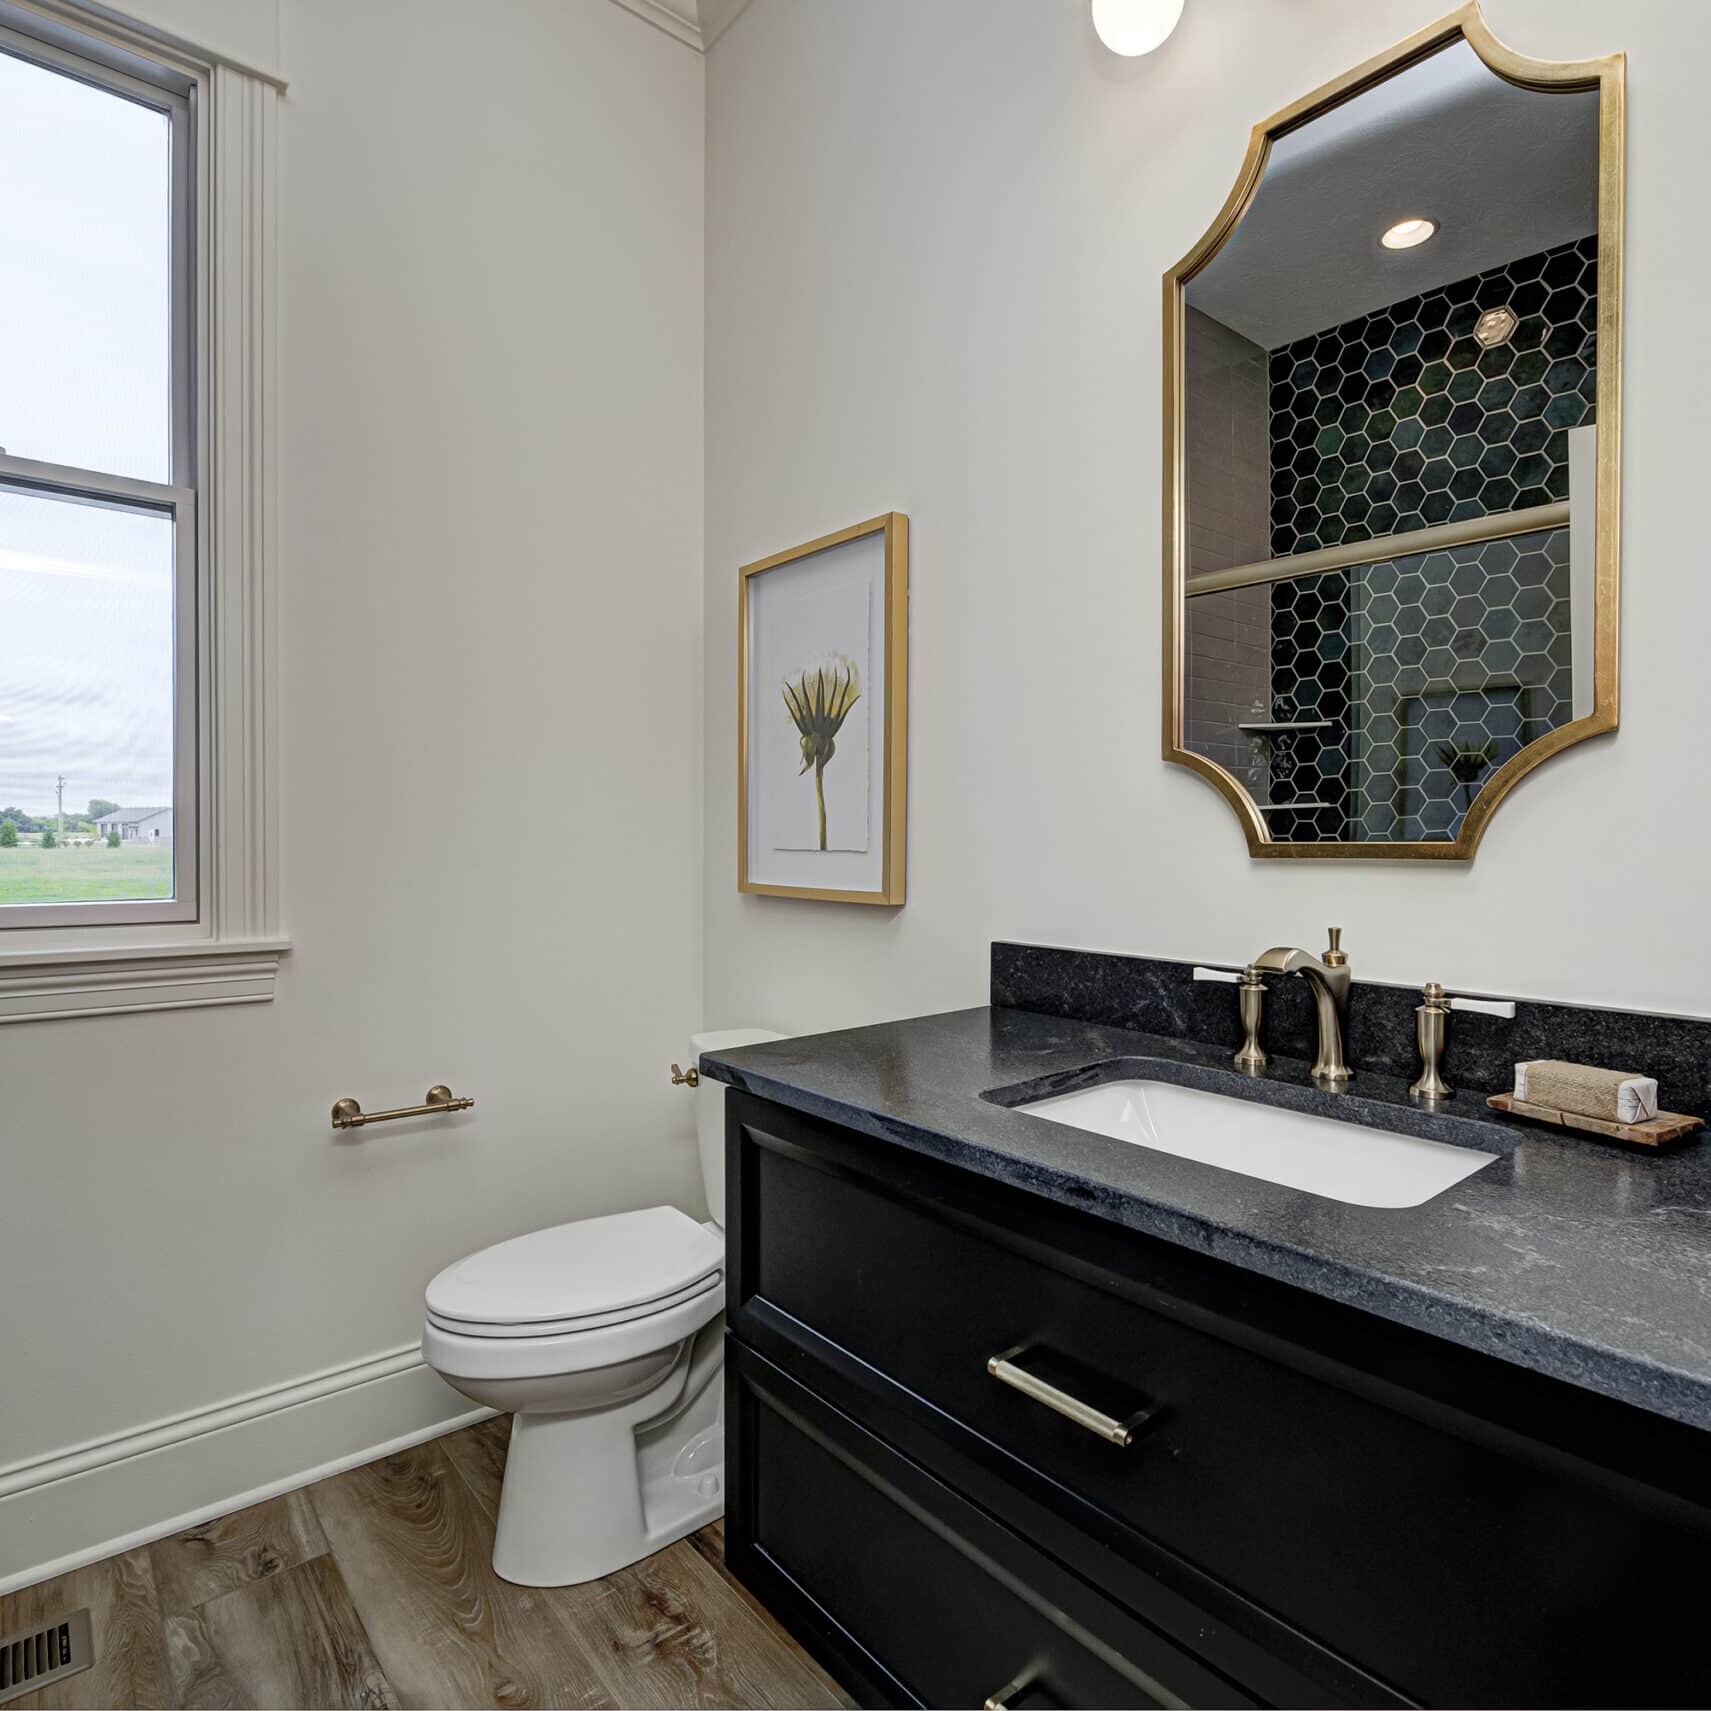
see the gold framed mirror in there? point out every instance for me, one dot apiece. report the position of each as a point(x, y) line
point(1392, 441)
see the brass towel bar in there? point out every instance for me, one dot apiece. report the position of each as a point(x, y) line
point(347, 1114)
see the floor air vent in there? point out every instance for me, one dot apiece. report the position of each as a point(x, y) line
point(32, 1660)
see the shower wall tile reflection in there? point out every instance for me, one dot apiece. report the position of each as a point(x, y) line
point(1228, 638)
point(1229, 681)
point(1462, 658)
point(1399, 420)
point(1311, 682)
point(1433, 669)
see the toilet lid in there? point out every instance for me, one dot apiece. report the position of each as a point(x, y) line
point(597, 1270)
point(710, 1286)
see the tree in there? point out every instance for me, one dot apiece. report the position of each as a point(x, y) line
point(49, 841)
point(99, 807)
point(20, 820)
point(8, 835)
point(112, 840)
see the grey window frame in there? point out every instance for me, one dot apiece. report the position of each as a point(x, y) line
point(132, 77)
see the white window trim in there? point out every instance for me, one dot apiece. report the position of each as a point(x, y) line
point(230, 953)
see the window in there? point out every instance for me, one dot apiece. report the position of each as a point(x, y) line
point(98, 547)
point(138, 755)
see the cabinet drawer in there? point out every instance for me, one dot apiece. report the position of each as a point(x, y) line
point(1455, 1565)
point(940, 1604)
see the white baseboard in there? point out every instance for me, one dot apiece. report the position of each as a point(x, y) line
point(93, 1500)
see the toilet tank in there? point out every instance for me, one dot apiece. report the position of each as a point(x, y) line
point(710, 1110)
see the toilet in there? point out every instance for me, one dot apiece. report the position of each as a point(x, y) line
point(604, 1339)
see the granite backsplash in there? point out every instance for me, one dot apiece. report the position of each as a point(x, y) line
point(1155, 996)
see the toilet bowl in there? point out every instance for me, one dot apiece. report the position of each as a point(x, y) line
point(604, 1339)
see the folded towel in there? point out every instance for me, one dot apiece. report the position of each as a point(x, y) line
point(1613, 1094)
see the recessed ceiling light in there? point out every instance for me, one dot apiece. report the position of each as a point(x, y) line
point(1495, 326)
point(1132, 27)
point(1405, 234)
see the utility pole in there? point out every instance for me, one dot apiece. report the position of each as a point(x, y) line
point(60, 816)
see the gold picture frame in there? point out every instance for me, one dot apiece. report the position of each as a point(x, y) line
point(891, 751)
point(1608, 76)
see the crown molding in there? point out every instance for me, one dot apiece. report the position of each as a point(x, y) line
point(717, 16)
point(696, 23)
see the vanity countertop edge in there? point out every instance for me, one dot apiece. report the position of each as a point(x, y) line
point(1586, 1263)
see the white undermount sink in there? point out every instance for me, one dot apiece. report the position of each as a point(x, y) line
point(1342, 1161)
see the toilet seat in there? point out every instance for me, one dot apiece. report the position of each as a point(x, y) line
point(454, 1355)
point(577, 1278)
point(575, 1322)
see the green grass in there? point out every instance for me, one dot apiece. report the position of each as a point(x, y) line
point(91, 875)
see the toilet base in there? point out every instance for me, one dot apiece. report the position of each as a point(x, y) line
point(589, 1493)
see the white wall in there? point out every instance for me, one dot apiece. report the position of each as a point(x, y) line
point(936, 238)
point(491, 344)
point(246, 31)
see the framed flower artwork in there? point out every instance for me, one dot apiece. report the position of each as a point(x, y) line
point(822, 717)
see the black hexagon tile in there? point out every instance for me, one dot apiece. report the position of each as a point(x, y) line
point(1401, 419)
point(1434, 668)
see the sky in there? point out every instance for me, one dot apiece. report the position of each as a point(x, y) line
point(86, 620)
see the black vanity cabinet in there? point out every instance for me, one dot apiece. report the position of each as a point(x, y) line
point(1313, 1506)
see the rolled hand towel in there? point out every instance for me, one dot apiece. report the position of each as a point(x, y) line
point(1612, 1094)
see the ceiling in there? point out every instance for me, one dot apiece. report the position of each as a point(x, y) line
point(1506, 172)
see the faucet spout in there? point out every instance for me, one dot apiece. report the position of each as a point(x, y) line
point(1330, 980)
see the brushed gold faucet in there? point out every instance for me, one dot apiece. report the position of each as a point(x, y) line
point(1329, 976)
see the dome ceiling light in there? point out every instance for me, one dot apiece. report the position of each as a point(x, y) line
point(1134, 27)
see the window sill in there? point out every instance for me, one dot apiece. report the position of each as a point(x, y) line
point(127, 980)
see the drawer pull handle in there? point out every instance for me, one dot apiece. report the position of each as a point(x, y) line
point(1119, 1432)
point(1000, 1701)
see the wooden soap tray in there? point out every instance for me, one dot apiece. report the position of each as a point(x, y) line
point(1663, 1130)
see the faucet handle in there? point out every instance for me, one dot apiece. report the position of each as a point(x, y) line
point(1336, 956)
point(1250, 1003)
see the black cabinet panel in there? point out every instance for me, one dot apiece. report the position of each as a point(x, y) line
point(1241, 1643)
point(1434, 1548)
point(959, 1609)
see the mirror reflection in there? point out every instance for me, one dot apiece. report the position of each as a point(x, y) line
point(1390, 456)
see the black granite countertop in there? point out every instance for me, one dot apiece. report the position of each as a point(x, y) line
point(1583, 1261)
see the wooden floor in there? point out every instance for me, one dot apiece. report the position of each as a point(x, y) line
point(376, 1588)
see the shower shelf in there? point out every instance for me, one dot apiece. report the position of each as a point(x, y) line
point(1279, 807)
point(1276, 727)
